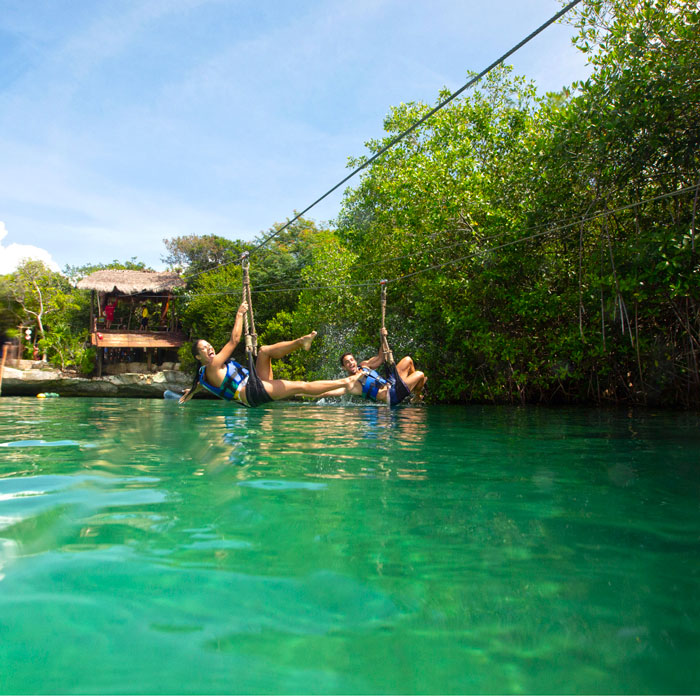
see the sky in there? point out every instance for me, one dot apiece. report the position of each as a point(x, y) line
point(129, 122)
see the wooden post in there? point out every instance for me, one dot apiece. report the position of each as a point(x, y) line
point(99, 357)
point(164, 313)
point(149, 355)
point(2, 366)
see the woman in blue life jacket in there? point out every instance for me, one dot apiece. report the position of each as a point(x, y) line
point(254, 385)
point(401, 382)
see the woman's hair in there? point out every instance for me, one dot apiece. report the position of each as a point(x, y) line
point(195, 353)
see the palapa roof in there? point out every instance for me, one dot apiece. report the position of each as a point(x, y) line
point(131, 282)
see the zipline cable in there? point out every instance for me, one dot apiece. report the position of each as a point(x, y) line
point(409, 130)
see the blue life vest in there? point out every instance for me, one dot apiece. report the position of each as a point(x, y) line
point(236, 377)
point(372, 384)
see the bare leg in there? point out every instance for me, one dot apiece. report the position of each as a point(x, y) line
point(405, 367)
point(283, 388)
point(263, 364)
point(415, 380)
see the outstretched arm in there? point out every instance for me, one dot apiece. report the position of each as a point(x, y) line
point(374, 362)
point(188, 394)
point(225, 353)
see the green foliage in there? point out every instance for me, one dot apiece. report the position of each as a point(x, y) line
point(10, 310)
point(187, 361)
point(277, 269)
point(198, 253)
point(37, 294)
point(66, 349)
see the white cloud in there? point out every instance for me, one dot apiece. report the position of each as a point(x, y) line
point(13, 254)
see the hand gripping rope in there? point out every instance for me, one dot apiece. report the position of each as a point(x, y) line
point(251, 338)
point(388, 355)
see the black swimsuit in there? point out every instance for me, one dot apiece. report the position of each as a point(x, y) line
point(399, 389)
point(255, 393)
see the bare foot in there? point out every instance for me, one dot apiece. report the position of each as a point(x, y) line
point(306, 340)
point(417, 397)
point(351, 380)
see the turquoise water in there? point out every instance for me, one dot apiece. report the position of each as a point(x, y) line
point(298, 548)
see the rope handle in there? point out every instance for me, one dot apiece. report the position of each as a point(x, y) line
point(388, 355)
point(251, 337)
point(383, 283)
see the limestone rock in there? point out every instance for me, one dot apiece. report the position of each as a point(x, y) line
point(32, 382)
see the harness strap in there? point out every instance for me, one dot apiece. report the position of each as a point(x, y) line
point(227, 382)
point(372, 384)
point(231, 383)
point(370, 389)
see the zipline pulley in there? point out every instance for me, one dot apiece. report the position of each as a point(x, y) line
point(251, 338)
point(388, 355)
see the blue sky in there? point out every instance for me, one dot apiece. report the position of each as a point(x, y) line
point(123, 123)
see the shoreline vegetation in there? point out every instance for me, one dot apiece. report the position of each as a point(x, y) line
point(540, 249)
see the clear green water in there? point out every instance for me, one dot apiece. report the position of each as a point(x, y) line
point(150, 548)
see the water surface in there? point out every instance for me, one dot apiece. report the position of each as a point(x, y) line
point(151, 548)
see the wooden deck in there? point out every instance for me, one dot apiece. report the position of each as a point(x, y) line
point(105, 338)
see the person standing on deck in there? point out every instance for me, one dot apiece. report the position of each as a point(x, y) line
point(109, 313)
point(254, 385)
point(402, 380)
point(144, 319)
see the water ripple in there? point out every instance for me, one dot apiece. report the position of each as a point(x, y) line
point(270, 484)
point(47, 443)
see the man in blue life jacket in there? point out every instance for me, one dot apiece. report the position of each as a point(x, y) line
point(402, 379)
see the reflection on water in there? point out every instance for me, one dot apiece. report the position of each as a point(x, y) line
point(346, 548)
point(328, 442)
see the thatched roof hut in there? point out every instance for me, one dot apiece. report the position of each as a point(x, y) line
point(131, 282)
point(112, 334)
